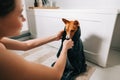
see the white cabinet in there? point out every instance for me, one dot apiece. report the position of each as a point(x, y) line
point(97, 27)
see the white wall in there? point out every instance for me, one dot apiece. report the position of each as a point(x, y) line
point(78, 4)
point(29, 3)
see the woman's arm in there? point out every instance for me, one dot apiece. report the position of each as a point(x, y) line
point(14, 67)
point(29, 44)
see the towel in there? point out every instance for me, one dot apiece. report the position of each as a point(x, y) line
point(76, 62)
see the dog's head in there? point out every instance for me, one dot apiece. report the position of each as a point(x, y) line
point(70, 27)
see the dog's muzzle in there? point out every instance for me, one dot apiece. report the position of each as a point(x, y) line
point(67, 38)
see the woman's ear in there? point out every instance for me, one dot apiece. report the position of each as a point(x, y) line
point(65, 20)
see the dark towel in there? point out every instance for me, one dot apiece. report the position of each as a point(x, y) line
point(75, 59)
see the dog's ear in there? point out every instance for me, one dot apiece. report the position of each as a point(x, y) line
point(76, 23)
point(65, 20)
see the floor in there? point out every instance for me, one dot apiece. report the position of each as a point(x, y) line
point(112, 71)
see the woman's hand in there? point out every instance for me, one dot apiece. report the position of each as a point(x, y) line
point(67, 44)
point(59, 35)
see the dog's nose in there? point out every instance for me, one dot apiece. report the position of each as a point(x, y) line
point(67, 38)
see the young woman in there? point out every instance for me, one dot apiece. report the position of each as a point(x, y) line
point(15, 67)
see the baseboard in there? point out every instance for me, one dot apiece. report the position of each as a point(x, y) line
point(23, 36)
point(115, 48)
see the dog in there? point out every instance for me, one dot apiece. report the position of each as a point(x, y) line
point(76, 62)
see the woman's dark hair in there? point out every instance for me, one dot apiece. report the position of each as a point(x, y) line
point(6, 6)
